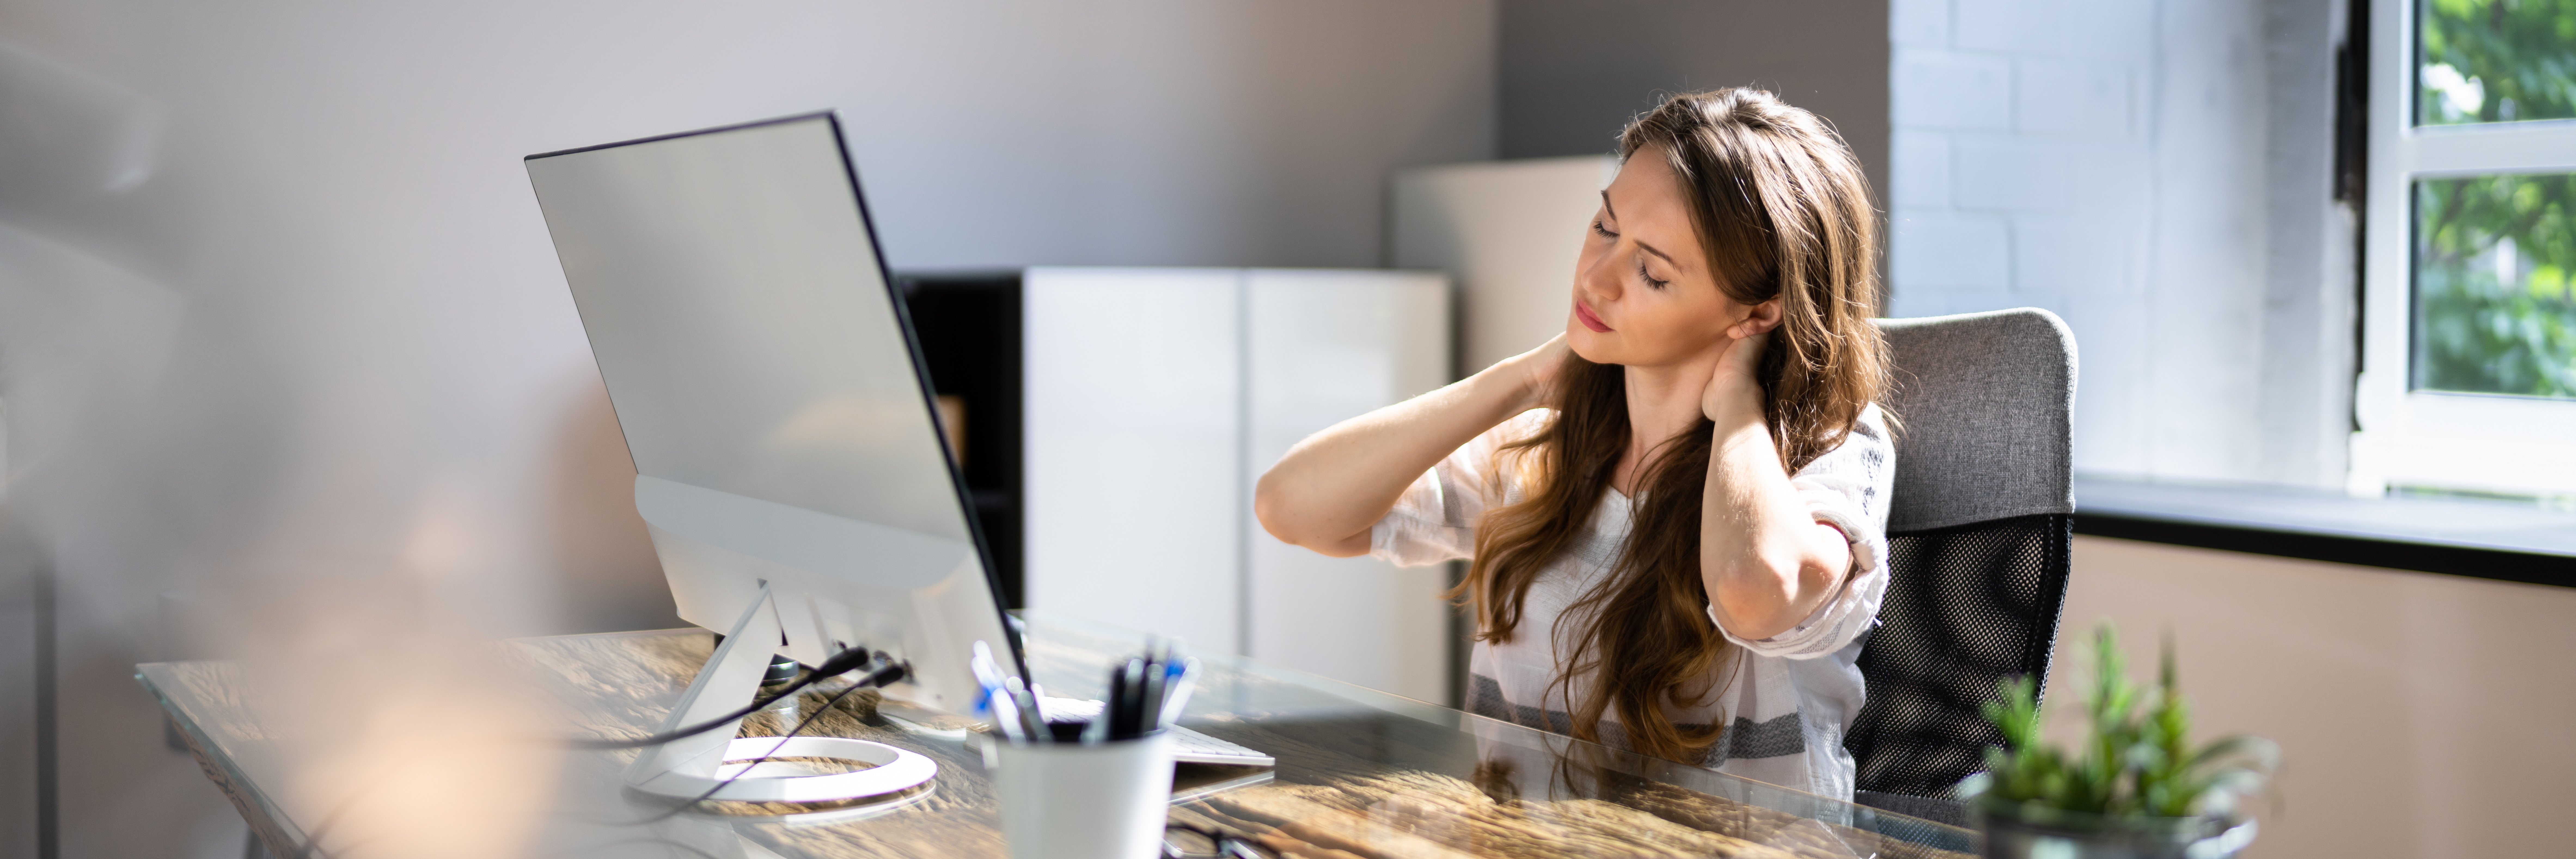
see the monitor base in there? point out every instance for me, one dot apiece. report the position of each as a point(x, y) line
point(890, 770)
point(699, 766)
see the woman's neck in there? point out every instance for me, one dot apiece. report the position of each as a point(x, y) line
point(1663, 402)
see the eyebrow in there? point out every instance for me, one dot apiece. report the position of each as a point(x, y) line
point(1614, 215)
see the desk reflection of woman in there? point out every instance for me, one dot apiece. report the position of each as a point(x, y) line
point(1675, 510)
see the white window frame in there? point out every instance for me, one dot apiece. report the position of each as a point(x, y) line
point(2505, 444)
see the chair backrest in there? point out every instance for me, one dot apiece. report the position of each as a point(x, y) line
point(1978, 535)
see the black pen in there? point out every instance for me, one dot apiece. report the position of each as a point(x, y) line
point(1130, 700)
point(1117, 696)
point(1150, 704)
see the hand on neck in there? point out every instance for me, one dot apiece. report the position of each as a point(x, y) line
point(1663, 402)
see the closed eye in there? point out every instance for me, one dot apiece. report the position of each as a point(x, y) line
point(1603, 231)
point(1650, 279)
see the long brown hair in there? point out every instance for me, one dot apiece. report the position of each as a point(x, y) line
point(1780, 205)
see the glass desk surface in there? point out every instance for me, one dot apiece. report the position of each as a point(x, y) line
point(1361, 773)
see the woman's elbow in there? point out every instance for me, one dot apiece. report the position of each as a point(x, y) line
point(1269, 509)
point(1283, 518)
point(1758, 597)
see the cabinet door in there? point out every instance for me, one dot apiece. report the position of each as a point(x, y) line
point(1134, 482)
point(1327, 346)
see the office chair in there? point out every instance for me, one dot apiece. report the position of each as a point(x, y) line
point(1979, 530)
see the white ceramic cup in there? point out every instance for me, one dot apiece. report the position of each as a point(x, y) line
point(1071, 801)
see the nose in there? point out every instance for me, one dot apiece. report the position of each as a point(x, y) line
point(1600, 279)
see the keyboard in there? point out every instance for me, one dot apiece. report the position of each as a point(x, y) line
point(1188, 746)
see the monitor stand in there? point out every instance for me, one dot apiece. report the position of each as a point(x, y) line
point(703, 765)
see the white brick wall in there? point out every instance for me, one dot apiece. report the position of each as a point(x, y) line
point(2106, 160)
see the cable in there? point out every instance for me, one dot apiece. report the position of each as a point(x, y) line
point(849, 660)
point(888, 674)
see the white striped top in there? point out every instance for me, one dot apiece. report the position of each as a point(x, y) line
point(1790, 698)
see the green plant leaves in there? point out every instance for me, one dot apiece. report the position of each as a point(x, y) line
point(2137, 761)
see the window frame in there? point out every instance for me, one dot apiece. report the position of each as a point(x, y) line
point(2404, 437)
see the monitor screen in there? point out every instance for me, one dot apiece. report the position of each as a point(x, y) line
point(766, 382)
point(743, 322)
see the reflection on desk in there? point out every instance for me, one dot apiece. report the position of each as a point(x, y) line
point(1360, 772)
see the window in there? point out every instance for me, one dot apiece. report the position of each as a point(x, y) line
point(2469, 268)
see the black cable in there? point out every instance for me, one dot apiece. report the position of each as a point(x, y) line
point(882, 676)
point(848, 661)
point(49, 769)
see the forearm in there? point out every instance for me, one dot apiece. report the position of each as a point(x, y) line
point(1765, 560)
point(1331, 488)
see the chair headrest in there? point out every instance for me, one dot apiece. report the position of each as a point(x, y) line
point(1986, 403)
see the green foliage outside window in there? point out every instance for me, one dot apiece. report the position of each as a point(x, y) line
point(2495, 309)
point(2496, 61)
point(2495, 285)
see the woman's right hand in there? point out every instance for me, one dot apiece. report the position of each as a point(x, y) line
point(1538, 370)
point(1330, 490)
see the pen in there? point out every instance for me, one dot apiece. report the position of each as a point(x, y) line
point(1157, 679)
point(1179, 695)
point(1131, 716)
point(1105, 726)
point(997, 704)
point(981, 662)
point(1032, 720)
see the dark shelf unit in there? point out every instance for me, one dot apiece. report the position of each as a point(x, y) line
point(969, 327)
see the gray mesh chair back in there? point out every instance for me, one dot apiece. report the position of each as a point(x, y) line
point(1978, 535)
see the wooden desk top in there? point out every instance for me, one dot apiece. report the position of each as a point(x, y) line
point(1360, 774)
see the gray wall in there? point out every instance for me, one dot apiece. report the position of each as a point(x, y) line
point(279, 321)
point(1573, 73)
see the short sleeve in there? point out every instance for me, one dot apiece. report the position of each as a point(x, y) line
point(1846, 488)
point(1435, 519)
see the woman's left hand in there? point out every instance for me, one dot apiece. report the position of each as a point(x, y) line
point(1735, 389)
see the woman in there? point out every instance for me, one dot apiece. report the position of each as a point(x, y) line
point(1675, 510)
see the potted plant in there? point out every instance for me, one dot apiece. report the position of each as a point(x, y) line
point(2135, 788)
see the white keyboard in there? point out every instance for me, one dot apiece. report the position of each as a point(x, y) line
point(1188, 746)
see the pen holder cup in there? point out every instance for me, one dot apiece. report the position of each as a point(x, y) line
point(1071, 801)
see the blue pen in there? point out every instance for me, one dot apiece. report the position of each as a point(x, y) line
point(996, 705)
point(1177, 694)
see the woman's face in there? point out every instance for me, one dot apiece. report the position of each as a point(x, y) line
point(1643, 292)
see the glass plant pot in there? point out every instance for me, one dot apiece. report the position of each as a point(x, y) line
point(2019, 831)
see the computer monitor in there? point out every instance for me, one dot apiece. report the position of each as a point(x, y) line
point(769, 387)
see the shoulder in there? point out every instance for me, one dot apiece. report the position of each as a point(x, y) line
point(1869, 429)
point(1868, 445)
point(1872, 419)
point(1872, 427)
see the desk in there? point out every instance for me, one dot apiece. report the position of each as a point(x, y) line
point(1361, 773)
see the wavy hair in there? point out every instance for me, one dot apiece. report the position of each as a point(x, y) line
point(1783, 211)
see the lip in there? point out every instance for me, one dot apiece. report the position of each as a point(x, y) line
point(1589, 320)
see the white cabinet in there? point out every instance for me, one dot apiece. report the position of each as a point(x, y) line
point(1155, 397)
point(1326, 346)
point(1510, 231)
point(1133, 480)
